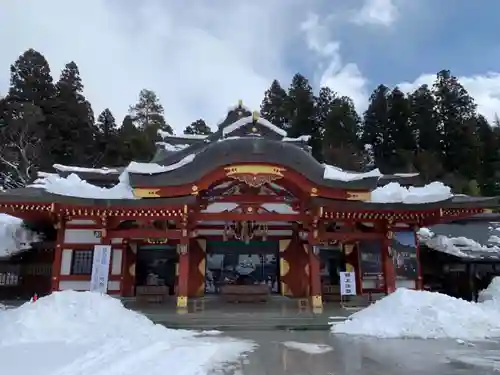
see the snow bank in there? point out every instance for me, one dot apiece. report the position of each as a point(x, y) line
point(69, 168)
point(13, 236)
point(492, 292)
point(88, 333)
point(74, 186)
point(422, 314)
point(334, 173)
point(395, 193)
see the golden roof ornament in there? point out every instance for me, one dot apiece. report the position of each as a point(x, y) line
point(255, 115)
point(240, 103)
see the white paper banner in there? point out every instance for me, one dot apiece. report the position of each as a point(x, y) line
point(347, 283)
point(100, 269)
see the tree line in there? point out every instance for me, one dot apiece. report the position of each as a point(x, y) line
point(435, 130)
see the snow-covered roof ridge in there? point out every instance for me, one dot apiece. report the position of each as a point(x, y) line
point(332, 172)
point(302, 138)
point(172, 147)
point(163, 134)
point(250, 119)
point(458, 246)
point(70, 168)
point(153, 168)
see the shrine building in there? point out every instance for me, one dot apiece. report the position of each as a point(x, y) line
point(243, 209)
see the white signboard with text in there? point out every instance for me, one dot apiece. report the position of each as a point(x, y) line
point(347, 283)
point(100, 268)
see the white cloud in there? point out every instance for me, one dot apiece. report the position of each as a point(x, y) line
point(345, 79)
point(485, 89)
point(377, 12)
point(200, 57)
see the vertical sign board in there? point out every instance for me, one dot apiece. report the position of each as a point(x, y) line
point(347, 283)
point(100, 268)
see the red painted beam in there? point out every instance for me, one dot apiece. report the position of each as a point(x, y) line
point(145, 233)
point(250, 199)
point(351, 236)
point(231, 216)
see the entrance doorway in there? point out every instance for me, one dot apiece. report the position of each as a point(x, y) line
point(238, 263)
point(155, 267)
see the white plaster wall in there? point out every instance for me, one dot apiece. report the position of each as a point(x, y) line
point(67, 254)
point(82, 236)
point(116, 265)
point(85, 285)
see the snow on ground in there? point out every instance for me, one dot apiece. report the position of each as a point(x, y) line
point(427, 315)
point(13, 236)
point(307, 347)
point(395, 193)
point(79, 333)
point(492, 292)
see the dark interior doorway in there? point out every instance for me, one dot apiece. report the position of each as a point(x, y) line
point(156, 266)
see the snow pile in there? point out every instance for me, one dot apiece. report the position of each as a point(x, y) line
point(395, 193)
point(422, 314)
point(453, 245)
point(74, 186)
point(164, 134)
point(492, 292)
point(88, 333)
point(14, 237)
point(171, 147)
point(334, 173)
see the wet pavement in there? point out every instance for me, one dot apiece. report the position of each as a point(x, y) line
point(363, 356)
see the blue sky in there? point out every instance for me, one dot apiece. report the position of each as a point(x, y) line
point(202, 56)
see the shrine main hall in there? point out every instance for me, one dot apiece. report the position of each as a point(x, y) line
point(243, 213)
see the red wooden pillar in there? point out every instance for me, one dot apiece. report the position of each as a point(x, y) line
point(60, 226)
point(388, 263)
point(315, 278)
point(183, 278)
point(420, 280)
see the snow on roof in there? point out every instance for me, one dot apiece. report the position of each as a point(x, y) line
point(460, 246)
point(93, 333)
point(302, 138)
point(153, 168)
point(164, 134)
point(248, 120)
point(425, 315)
point(171, 147)
point(334, 173)
point(14, 238)
point(68, 168)
point(74, 186)
point(395, 193)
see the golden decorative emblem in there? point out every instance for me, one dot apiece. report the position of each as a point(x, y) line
point(146, 193)
point(254, 175)
point(359, 195)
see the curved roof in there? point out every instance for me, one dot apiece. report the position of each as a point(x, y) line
point(241, 150)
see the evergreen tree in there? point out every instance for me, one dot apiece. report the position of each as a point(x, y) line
point(489, 175)
point(198, 127)
point(455, 111)
point(107, 139)
point(301, 110)
point(400, 133)
point(274, 106)
point(376, 127)
point(134, 146)
point(147, 116)
point(71, 136)
point(340, 140)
